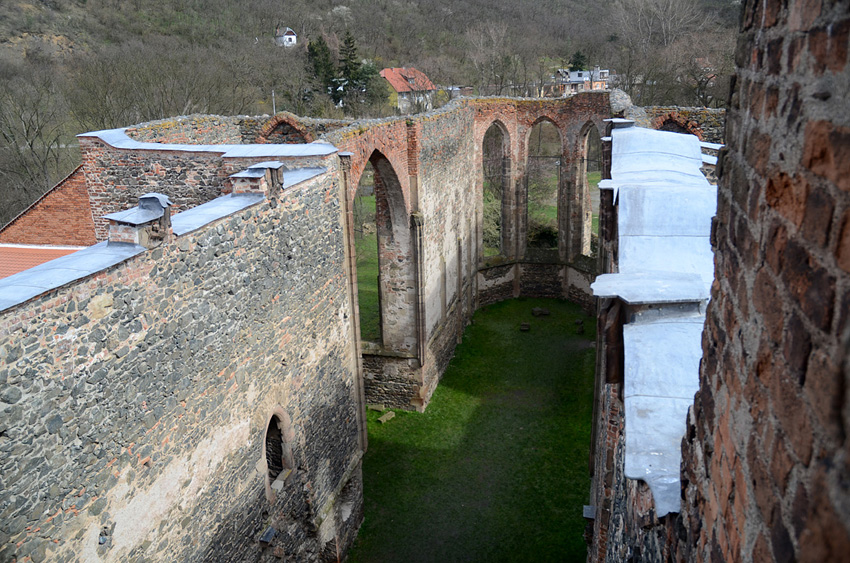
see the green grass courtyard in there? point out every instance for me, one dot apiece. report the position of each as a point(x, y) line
point(496, 469)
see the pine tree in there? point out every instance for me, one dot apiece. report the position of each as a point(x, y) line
point(349, 65)
point(321, 64)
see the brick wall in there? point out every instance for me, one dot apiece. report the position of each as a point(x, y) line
point(135, 402)
point(429, 185)
point(765, 457)
point(61, 217)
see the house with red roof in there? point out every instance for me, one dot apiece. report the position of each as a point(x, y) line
point(410, 90)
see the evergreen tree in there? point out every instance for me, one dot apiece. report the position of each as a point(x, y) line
point(578, 61)
point(321, 64)
point(349, 65)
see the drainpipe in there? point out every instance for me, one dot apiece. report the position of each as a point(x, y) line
point(416, 225)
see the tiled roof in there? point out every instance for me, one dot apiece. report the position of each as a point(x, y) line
point(17, 258)
point(407, 80)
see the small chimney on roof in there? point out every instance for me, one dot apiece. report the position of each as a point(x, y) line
point(263, 177)
point(147, 224)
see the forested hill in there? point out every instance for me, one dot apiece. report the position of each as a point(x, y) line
point(72, 65)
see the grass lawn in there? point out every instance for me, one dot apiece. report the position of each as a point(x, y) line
point(366, 246)
point(593, 179)
point(496, 468)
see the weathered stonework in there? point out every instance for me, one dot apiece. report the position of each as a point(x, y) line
point(764, 458)
point(136, 401)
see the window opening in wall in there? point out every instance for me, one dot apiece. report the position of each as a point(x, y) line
point(366, 246)
point(543, 176)
point(495, 164)
point(274, 449)
point(591, 175)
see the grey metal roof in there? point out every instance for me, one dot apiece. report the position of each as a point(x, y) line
point(151, 207)
point(118, 138)
point(665, 206)
point(646, 287)
point(30, 283)
point(250, 173)
point(196, 217)
point(661, 377)
point(293, 177)
point(273, 164)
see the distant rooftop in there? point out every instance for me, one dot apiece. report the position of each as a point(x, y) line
point(408, 79)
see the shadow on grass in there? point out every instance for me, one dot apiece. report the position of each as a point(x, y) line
point(496, 468)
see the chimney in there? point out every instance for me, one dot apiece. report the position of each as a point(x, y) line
point(146, 225)
point(262, 178)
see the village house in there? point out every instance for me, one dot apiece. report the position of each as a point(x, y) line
point(410, 90)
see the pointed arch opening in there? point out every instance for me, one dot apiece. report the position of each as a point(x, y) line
point(277, 453)
point(543, 179)
point(589, 176)
point(496, 170)
point(384, 259)
point(366, 248)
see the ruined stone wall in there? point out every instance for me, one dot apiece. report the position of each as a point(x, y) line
point(115, 178)
point(766, 453)
point(135, 402)
point(705, 123)
point(198, 129)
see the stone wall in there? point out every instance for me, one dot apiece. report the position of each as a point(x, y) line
point(198, 129)
point(429, 183)
point(765, 457)
point(135, 402)
point(706, 123)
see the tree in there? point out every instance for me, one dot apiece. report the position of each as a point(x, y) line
point(578, 61)
point(349, 65)
point(321, 63)
point(34, 152)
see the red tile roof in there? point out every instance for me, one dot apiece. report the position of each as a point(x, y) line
point(407, 80)
point(17, 258)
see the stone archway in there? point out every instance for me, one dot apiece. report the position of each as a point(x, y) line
point(284, 128)
point(676, 123)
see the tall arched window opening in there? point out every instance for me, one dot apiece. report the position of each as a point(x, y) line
point(274, 449)
point(543, 178)
point(366, 246)
point(591, 174)
point(496, 170)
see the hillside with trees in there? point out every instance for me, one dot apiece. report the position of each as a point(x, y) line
point(73, 65)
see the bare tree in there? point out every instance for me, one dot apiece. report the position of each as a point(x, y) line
point(33, 153)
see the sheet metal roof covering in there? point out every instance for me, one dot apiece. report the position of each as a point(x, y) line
point(118, 138)
point(151, 207)
point(221, 207)
point(648, 287)
point(196, 217)
point(61, 271)
point(16, 258)
point(32, 282)
point(407, 79)
point(665, 206)
point(661, 377)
